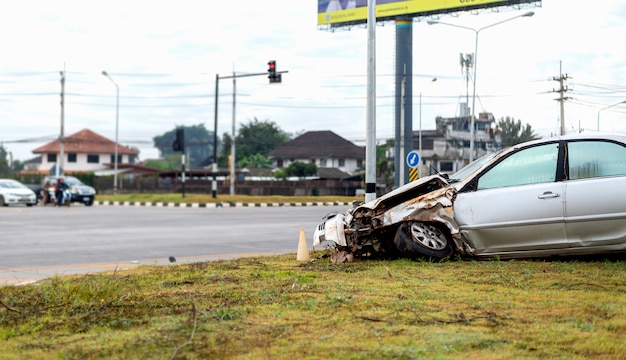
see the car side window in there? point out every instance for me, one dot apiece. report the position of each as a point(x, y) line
point(589, 159)
point(532, 165)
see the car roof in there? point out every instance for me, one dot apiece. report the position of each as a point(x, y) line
point(577, 136)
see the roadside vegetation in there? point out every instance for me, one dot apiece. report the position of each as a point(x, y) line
point(279, 308)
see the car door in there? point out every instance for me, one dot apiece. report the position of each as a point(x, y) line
point(595, 212)
point(517, 205)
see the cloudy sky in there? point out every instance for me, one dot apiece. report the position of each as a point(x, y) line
point(165, 55)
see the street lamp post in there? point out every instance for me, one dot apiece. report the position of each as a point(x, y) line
point(607, 107)
point(117, 118)
point(476, 32)
point(419, 168)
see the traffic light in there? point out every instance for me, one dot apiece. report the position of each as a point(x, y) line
point(273, 76)
point(179, 142)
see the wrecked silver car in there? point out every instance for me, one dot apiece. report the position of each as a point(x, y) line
point(552, 197)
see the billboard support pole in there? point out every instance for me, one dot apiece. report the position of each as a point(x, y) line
point(370, 146)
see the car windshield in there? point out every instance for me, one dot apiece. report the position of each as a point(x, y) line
point(470, 168)
point(11, 185)
point(70, 181)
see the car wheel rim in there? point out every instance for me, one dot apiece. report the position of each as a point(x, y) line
point(429, 236)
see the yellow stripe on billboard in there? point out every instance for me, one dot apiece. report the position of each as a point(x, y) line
point(355, 11)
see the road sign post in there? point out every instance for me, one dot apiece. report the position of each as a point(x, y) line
point(413, 162)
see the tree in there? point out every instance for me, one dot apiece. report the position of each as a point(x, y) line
point(223, 157)
point(384, 167)
point(259, 137)
point(17, 166)
point(301, 169)
point(198, 144)
point(512, 132)
point(5, 169)
point(256, 160)
point(164, 164)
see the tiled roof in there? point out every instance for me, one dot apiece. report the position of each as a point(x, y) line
point(318, 144)
point(85, 142)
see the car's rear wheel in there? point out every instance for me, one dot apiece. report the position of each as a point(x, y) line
point(423, 240)
point(2, 203)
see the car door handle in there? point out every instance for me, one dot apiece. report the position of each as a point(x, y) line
point(548, 195)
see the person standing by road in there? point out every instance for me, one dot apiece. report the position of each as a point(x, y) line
point(45, 195)
point(59, 189)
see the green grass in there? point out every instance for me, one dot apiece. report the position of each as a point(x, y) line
point(279, 308)
point(207, 198)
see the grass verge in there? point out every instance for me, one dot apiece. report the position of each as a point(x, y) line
point(279, 308)
point(208, 199)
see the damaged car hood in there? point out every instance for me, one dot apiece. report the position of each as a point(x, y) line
point(411, 190)
point(428, 199)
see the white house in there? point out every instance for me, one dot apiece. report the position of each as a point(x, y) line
point(82, 151)
point(322, 148)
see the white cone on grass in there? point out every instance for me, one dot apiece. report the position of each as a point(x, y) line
point(303, 249)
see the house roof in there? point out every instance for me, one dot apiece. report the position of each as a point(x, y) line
point(318, 144)
point(85, 142)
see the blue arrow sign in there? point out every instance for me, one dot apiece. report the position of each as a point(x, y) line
point(413, 159)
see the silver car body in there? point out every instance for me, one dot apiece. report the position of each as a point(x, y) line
point(558, 196)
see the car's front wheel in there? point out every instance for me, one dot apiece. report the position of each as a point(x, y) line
point(2, 203)
point(423, 240)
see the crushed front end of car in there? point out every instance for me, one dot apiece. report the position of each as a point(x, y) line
point(415, 220)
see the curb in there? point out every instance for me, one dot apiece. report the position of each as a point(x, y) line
point(219, 205)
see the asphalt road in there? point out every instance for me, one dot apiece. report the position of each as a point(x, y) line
point(39, 242)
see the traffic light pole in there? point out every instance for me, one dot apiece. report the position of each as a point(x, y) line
point(179, 145)
point(273, 79)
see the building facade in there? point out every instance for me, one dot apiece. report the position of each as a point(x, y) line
point(84, 151)
point(447, 148)
point(322, 148)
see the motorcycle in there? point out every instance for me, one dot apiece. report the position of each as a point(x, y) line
point(66, 200)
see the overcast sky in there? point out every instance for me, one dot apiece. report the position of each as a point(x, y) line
point(165, 55)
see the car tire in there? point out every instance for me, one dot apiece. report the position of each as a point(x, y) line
point(89, 202)
point(423, 240)
point(2, 203)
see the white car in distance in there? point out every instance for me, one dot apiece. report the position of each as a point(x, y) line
point(13, 192)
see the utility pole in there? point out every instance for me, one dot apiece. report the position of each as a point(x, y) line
point(467, 63)
point(401, 171)
point(58, 169)
point(562, 90)
point(370, 127)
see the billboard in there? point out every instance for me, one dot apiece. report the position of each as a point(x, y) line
point(352, 12)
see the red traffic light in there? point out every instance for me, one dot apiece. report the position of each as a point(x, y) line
point(274, 78)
